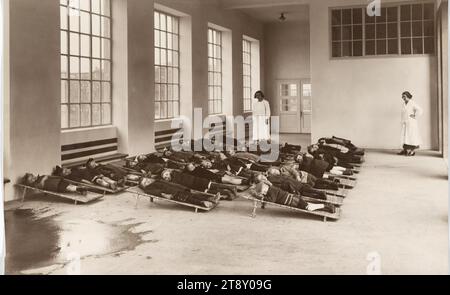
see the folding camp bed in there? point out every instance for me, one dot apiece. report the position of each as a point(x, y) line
point(138, 192)
point(97, 188)
point(341, 192)
point(323, 214)
point(77, 198)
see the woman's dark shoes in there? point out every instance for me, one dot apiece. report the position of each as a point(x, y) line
point(402, 153)
point(411, 154)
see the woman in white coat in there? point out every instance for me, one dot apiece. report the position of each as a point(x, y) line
point(261, 118)
point(410, 136)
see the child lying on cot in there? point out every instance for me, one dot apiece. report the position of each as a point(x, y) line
point(199, 184)
point(152, 164)
point(52, 184)
point(111, 171)
point(342, 143)
point(293, 186)
point(334, 152)
point(322, 154)
point(318, 167)
point(177, 192)
point(290, 170)
point(219, 177)
point(276, 195)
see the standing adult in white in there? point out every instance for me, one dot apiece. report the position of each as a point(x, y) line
point(410, 136)
point(261, 118)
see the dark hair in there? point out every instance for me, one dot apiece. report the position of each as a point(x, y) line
point(408, 94)
point(260, 92)
point(89, 161)
point(58, 171)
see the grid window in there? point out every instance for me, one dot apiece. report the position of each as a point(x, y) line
point(86, 99)
point(247, 74)
point(215, 98)
point(398, 30)
point(347, 32)
point(167, 66)
point(417, 28)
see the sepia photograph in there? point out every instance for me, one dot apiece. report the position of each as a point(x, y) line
point(224, 137)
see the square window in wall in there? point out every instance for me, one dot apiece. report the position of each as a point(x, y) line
point(85, 61)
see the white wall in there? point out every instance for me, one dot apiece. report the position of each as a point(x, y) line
point(287, 56)
point(361, 98)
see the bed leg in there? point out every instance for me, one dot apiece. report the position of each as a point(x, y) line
point(152, 200)
point(137, 201)
point(324, 219)
point(76, 202)
point(255, 204)
point(196, 210)
point(24, 192)
point(263, 205)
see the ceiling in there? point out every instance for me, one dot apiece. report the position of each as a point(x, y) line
point(268, 11)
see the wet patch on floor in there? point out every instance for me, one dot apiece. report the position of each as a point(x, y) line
point(33, 242)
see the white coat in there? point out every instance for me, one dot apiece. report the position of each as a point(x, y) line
point(410, 129)
point(261, 123)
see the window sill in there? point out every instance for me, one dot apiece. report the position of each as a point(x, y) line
point(87, 129)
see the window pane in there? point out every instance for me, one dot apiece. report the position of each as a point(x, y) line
point(95, 6)
point(393, 46)
point(370, 31)
point(106, 114)
point(405, 12)
point(369, 19)
point(392, 30)
point(74, 115)
point(106, 27)
point(417, 46)
point(156, 20)
point(106, 7)
point(85, 115)
point(346, 48)
point(370, 47)
point(64, 67)
point(357, 48)
point(381, 31)
point(406, 46)
point(96, 70)
point(96, 114)
point(381, 47)
point(417, 29)
point(429, 45)
point(106, 92)
point(163, 75)
point(357, 16)
point(405, 29)
point(392, 14)
point(106, 70)
point(64, 91)
point(74, 68)
point(74, 44)
point(74, 22)
point(428, 28)
point(64, 116)
point(157, 92)
point(347, 33)
point(336, 17)
point(85, 45)
point(64, 18)
point(382, 17)
point(336, 49)
point(85, 22)
point(85, 4)
point(85, 91)
point(96, 47)
point(163, 109)
point(428, 11)
point(64, 43)
point(346, 16)
point(106, 49)
point(357, 32)
point(417, 12)
point(157, 74)
point(157, 110)
point(74, 92)
point(96, 25)
point(96, 91)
